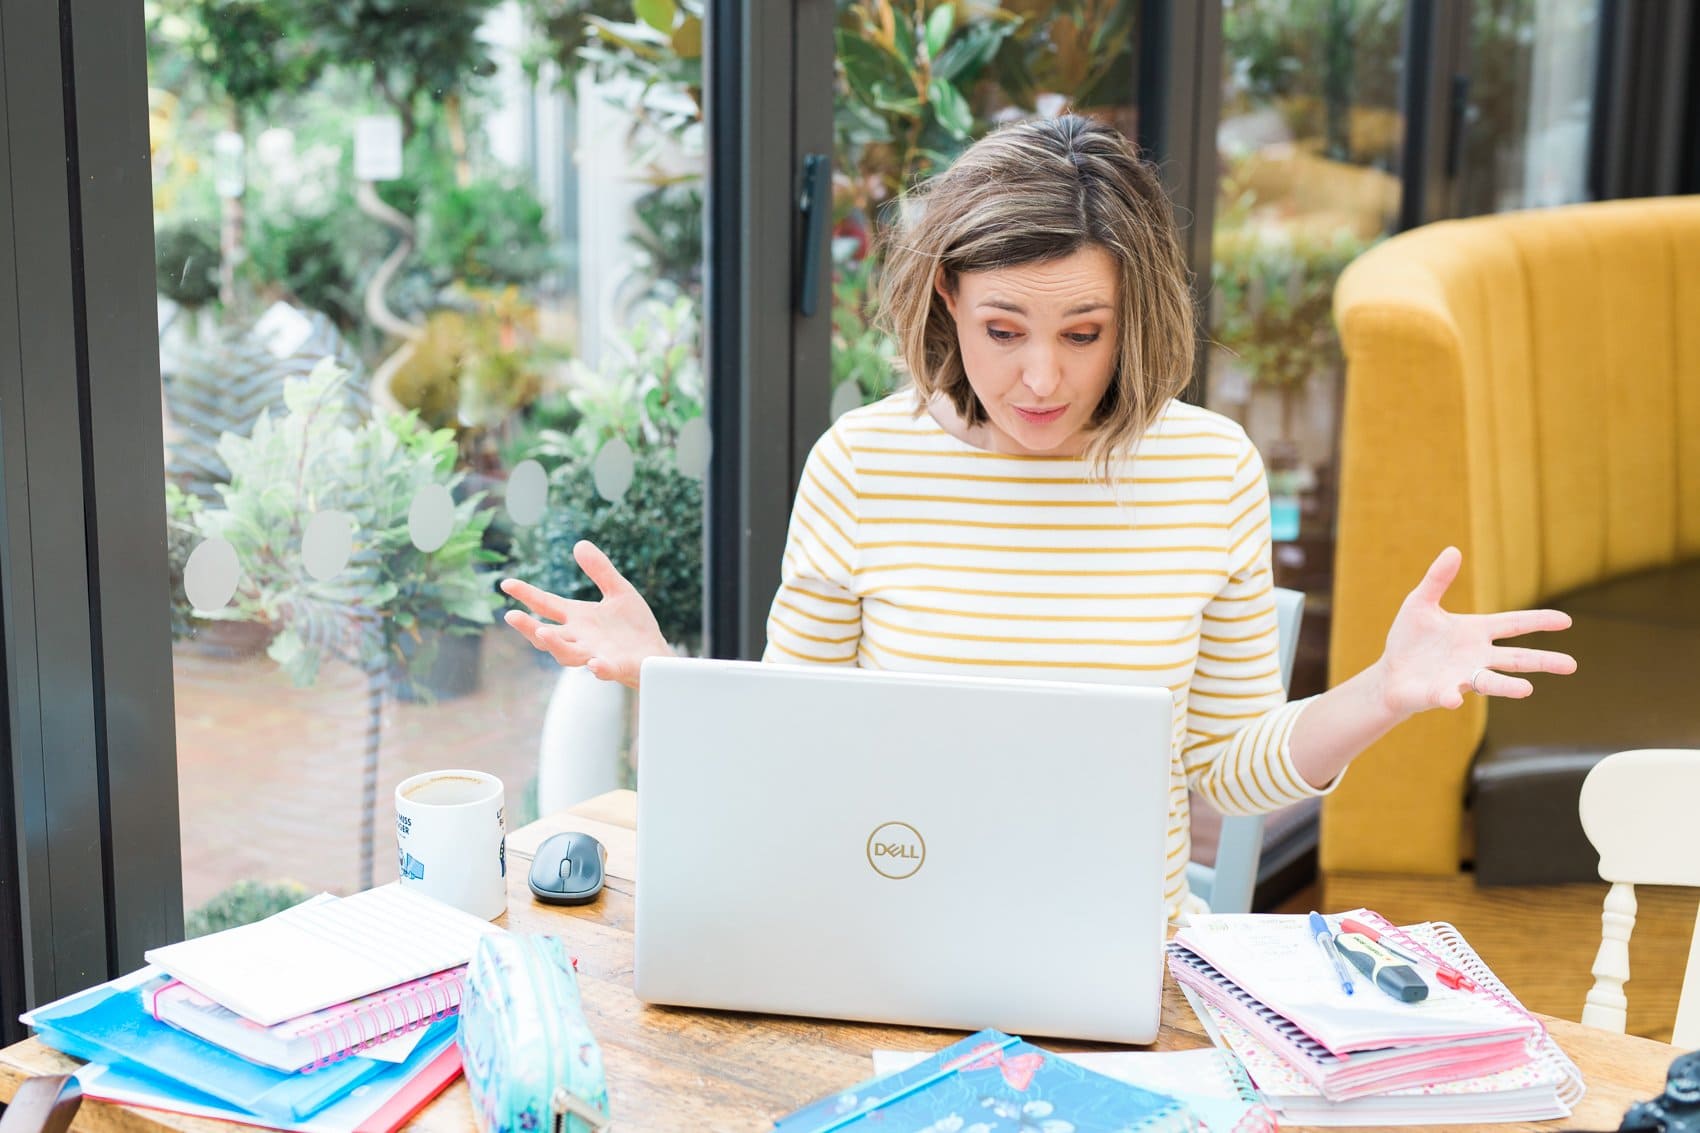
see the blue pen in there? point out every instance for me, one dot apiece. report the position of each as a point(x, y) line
point(1325, 941)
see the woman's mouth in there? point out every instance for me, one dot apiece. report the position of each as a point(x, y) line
point(1041, 416)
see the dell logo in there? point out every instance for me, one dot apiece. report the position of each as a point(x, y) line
point(896, 850)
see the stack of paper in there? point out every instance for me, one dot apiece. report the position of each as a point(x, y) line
point(334, 1015)
point(1323, 1057)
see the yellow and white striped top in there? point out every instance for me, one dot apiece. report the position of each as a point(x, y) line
point(911, 550)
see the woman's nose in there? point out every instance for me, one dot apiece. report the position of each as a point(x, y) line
point(1041, 375)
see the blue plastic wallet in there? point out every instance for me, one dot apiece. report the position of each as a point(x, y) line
point(526, 1050)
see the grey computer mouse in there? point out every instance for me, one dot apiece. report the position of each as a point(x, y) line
point(568, 869)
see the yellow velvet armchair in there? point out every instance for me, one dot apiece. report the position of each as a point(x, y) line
point(1527, 387)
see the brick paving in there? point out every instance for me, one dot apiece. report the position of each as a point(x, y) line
point(269, 775)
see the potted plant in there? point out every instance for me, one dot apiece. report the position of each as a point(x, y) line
point(390, 592)
point(1274, 292)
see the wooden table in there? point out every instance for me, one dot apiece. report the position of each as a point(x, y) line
point(675, 1070)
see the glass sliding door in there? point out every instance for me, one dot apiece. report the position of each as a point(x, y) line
point(430, 286)
point(1530, 104)
point(1307, 150)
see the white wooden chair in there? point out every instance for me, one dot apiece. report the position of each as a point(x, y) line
point(1227, 887)
point(1638, 809)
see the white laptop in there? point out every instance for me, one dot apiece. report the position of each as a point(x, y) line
point(929, 850)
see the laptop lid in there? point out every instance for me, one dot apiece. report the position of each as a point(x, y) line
point(902, 848)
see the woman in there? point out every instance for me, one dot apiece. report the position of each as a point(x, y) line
point(1039, 504)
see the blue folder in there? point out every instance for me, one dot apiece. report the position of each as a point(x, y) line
point(113, 1025)
point(995, 1082)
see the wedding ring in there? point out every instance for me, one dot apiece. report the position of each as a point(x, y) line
point(1474, 677)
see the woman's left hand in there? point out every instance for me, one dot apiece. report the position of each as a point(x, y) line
point(1433, 658)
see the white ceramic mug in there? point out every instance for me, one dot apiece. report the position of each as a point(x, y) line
point(451, 839)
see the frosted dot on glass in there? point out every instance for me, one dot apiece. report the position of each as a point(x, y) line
point(690, 453)
point(846, 397)
point(210, 575)
point(528, 492)
point(613, 470)
point(431, 519)
point(327, 543)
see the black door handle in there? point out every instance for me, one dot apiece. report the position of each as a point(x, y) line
point(814, 206)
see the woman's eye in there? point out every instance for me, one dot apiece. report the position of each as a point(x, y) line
point(997, 335)
point(1083, 339)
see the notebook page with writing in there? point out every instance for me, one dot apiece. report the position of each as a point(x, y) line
point(316, 956)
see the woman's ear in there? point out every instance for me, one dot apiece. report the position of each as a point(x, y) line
point(946, 287)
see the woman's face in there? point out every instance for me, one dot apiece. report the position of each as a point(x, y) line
point(1039, 345)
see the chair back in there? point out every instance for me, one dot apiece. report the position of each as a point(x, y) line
point(1228, 887)
point(1637, 809)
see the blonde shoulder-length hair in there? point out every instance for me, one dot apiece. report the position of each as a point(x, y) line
point(1036, 191)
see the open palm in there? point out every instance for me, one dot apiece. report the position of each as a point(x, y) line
point(1433, 657)
point(610, 637)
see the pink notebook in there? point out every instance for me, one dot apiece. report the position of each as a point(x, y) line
point(321, 1037)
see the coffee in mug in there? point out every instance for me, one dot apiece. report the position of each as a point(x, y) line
point(451, 839)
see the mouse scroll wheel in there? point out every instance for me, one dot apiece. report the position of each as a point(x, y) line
point(566, 867)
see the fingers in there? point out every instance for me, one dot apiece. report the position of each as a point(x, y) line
point(1514, 660)
point(1516, 623)
point(540, 602)
point(596, 566)
point(1440, 574)
point(1486, 682)
point(557, 641)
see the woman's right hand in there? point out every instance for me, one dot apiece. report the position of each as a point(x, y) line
point(611, 637)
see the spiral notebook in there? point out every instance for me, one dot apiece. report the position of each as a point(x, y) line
point(1303, 1081)
point(322, 1037)
point(324, 953)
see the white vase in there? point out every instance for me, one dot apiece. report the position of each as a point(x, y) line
point(583, 749)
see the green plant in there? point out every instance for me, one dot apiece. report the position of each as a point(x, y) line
point(485, 234)
point(653, 534)
point(1274, 294)
point(222, 387)
point(186, 260)
point(247, 52)
point(306, 257)
point(243, 903)
point(669, 234)
point(861, 353)
point(903, 109)
point(649, 387)
point(475, 370)
point(308, 460)
point(413, 49)
point(1304, 55)
point(181, 538)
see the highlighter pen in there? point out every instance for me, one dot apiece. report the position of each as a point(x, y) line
point(1386, 971)
point(1445, 973)
point(1325, 941)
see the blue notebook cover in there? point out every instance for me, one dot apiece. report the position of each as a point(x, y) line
point(114, 1025)
point(991, 1083)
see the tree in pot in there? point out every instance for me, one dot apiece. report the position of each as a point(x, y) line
point(389, 591)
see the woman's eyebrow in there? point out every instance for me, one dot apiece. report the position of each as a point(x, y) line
point(1078, 309)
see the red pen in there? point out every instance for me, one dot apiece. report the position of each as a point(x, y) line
point(1446, 974)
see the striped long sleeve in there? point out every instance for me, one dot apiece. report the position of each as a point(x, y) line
point(817, 615)
point(1238, 720)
